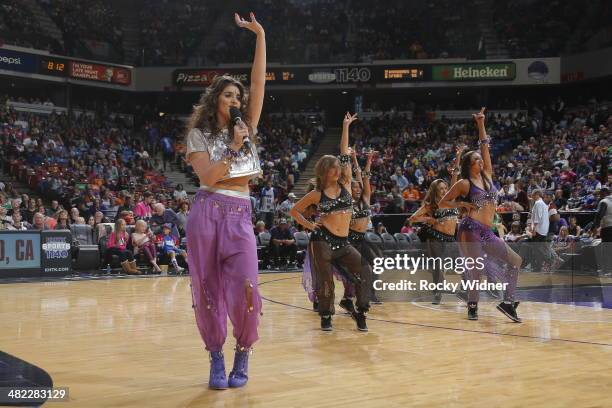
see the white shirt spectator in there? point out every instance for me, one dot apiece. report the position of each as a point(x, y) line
point(539, 215)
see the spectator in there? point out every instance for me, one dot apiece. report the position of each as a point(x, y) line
point(143, 208)
point(143, 241)
point(573, 228)
point(179, 193)
point(399, 179)
point(407, 227)
point(17, 223)
point(117, 245)
point(287, 205)
point(267, 202)
point(169, 246)
point(63, 221)
point(181, 216)
point(515, 234)
point(260, 227)
point(162, 215)
point(39, 222)
point(283, 244)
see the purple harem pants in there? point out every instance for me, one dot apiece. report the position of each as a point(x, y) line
point(222, 256)
point(477, 240)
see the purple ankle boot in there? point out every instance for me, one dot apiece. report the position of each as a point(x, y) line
point(217, 379)
point(239, 376)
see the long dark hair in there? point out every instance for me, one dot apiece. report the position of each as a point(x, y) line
point(466, 163)
point(204, 114)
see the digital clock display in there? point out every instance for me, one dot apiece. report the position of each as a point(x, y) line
point(403, 74)
point(54, 66)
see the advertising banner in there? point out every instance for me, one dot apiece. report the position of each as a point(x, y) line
point(498, 71)
point(19, 253)
point(17, 61)
point(100, 73)
point(313, 75)
point(56, 254)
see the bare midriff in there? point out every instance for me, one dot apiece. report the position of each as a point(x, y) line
point(447, 226)
point(484, 215)
point(360, 224)
point(236, 183)
point(337, 223)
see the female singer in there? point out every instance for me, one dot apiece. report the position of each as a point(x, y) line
point(329, 239)
point(475, 237)
point(222, 250)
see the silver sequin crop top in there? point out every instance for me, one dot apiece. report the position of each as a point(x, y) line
point(246, 164)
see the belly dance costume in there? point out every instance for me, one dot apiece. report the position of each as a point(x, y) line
point(368, 251)
point(439, 244)
point(477, 240)
point(326, 249)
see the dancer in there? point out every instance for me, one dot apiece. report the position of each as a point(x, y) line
point(222, 250)
point(440, 223)
point(475, 237)
point(361, 192)
point(329, 239)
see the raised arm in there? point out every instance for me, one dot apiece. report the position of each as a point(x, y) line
point(367, 189)
point(297, 212)
point(356, 168)
point(258, 71)
point(483, 141)
point(454, 169)
point(460, 188)
point(347, 173)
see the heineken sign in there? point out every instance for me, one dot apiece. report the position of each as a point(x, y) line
point(505, 71)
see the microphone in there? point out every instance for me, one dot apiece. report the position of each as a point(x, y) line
point(236, 118)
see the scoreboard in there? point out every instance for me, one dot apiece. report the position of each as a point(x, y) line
point(53, 66)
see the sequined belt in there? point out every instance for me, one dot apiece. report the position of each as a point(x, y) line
point(436, 235)
point(355, 237)
point(335, 242)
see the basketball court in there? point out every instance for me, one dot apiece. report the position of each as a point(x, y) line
point(133, 342)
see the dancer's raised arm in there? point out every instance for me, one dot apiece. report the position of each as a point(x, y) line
point(367, 189)
point(454, 169)
point(483, 141)
point(258, 70)
point(460, 188)
point(345, 151)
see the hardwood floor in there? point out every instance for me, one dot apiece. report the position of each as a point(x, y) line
point(134, 343)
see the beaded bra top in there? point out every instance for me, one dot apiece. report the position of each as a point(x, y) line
point(361, 210)
point(443, 214)
point(480, 197)
point(342, 204)
point(247, 162)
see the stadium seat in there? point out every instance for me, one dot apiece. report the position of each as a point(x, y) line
point(389, 243)
point(301, 240)
point(263, 249)
point(87, 252)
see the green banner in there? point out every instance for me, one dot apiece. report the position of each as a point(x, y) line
point(474, 72)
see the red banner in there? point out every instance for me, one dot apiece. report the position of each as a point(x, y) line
point(102, 73)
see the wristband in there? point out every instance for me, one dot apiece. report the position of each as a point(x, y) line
point(345, 160)
point(485, 141)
